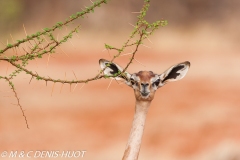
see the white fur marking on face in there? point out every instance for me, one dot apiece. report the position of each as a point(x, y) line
point(135, 80)
point(153, 80)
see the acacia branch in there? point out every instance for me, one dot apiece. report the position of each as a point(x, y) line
point(58, 25)
point(142, 30)
point(38, 54)
point(18, 100)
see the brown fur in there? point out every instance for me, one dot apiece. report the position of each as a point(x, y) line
point(145, 76)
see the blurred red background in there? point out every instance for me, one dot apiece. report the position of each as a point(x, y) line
point(197, 118)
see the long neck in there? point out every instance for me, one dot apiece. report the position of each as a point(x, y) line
point(135, 138)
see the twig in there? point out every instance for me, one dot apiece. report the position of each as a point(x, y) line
point(142, 29)
point(30, 79)
point(63, 83)
point(18, 100)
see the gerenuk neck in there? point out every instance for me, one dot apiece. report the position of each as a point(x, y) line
point(135, 138)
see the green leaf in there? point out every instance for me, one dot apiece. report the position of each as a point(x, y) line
point(13, 58)
point(38, 78)
point(164, 23)
point(46, 29)
point(9, 45)
point(108, 46)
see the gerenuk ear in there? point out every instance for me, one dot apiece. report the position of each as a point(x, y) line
point(112, 69)
point(174, 73)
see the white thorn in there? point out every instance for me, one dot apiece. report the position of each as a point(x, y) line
point(131, 24)
point(145, 46)
point(109, 84)
point(139, 62)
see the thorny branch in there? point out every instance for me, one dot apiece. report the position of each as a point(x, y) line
point(58, 25)
point(40, 46)
point(18, 100)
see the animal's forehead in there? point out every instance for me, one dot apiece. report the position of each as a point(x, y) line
point(145, 75)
